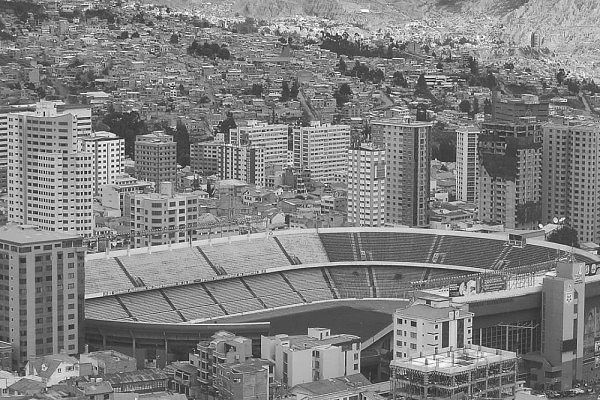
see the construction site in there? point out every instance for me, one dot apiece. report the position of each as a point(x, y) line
point(465, 373)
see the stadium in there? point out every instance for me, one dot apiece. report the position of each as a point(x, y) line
point(156, 303)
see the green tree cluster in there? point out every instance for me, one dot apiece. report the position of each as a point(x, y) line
point(209, 50)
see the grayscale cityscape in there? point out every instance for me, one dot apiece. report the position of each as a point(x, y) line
point(299, 200)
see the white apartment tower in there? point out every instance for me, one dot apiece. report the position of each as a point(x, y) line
point(108, 156)
point(406, 144)
point(432, 324)
point(49, 179)
point(273, 139)
point(571, 175)
point(322, 149)
point(467, 164)
point(366, 186)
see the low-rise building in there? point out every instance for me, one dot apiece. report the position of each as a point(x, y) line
point(248, 380)
point(108, 362)
point(312, 357)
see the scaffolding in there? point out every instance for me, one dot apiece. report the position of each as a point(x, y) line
point(473, 372)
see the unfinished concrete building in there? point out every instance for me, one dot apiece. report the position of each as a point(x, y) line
point(472, 371)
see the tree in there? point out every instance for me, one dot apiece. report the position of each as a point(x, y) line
point(573, 86)
point(124, 35)
point(135, 35)
point(564, 235)
point(295, 89)
point(399, 80)
point(182, 138)
point(421, 87)
point(475, 109)
point(342, 66)
point(226, 125)
point(560, 76)
point(285, 91)
point(465, 106)
point(257, 90)
point(487, 106)
point(174, 39)
point(127, 126)
point(342, 94)
point(440, 66)
point(473, 66)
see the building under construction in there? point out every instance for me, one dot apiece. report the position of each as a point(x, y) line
point(465, 373)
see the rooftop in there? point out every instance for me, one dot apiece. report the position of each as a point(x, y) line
point(456, 361)
point(334, 385)
point(27, 234)
point(430, 313)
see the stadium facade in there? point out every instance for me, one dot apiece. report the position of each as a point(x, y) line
point(159, 301)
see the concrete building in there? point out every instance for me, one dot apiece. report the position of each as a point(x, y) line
point(108, 362)
point(171, 216)
point(49, 180)
point(243, 162)
point(560, 362)
point(468, 372)
point(510, 156)
point(512, 110)
point(322, 149)
point(431, 324)
point(44, 306)
point(312, 357)
point(108, 156)
point(366, 186)
point(272, 138)
point(204, 157)
point(113, 195)
point(467, 164)
point(571, 177)
point(156, 158)
point(223, 348)
point(407, 149)
point(247, 380)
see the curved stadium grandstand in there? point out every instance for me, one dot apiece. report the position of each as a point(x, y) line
point(169, 296)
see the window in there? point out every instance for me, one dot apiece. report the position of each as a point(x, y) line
point(413, 324)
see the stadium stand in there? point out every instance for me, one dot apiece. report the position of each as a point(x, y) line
point(228, 290)
point(310, 283)
point(105, 275)
point(143, 304)
point(164, 267)
point(479, 253)
point(242, 256)
point(161, 318)
point(306, 247)
point(396, 246)
point(188, 297)
point(105, 308)
point(530, 254)
point(351, 282)
point(207, 311)
point(338, 246)
point(272, 290)
point(394, 281)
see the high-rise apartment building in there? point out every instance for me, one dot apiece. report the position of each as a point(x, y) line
point(322, 149)
point(407, 150)
point(467, 165)
point(171, 215)
point(243, 162)
point(108, 156)
point(204, 157)
point(432, 324)
point(366, 186)
point(50, 182)
point(571, 176)
point(510, 157)
point(156, 158)
point(273, 139)
point(43, 304)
